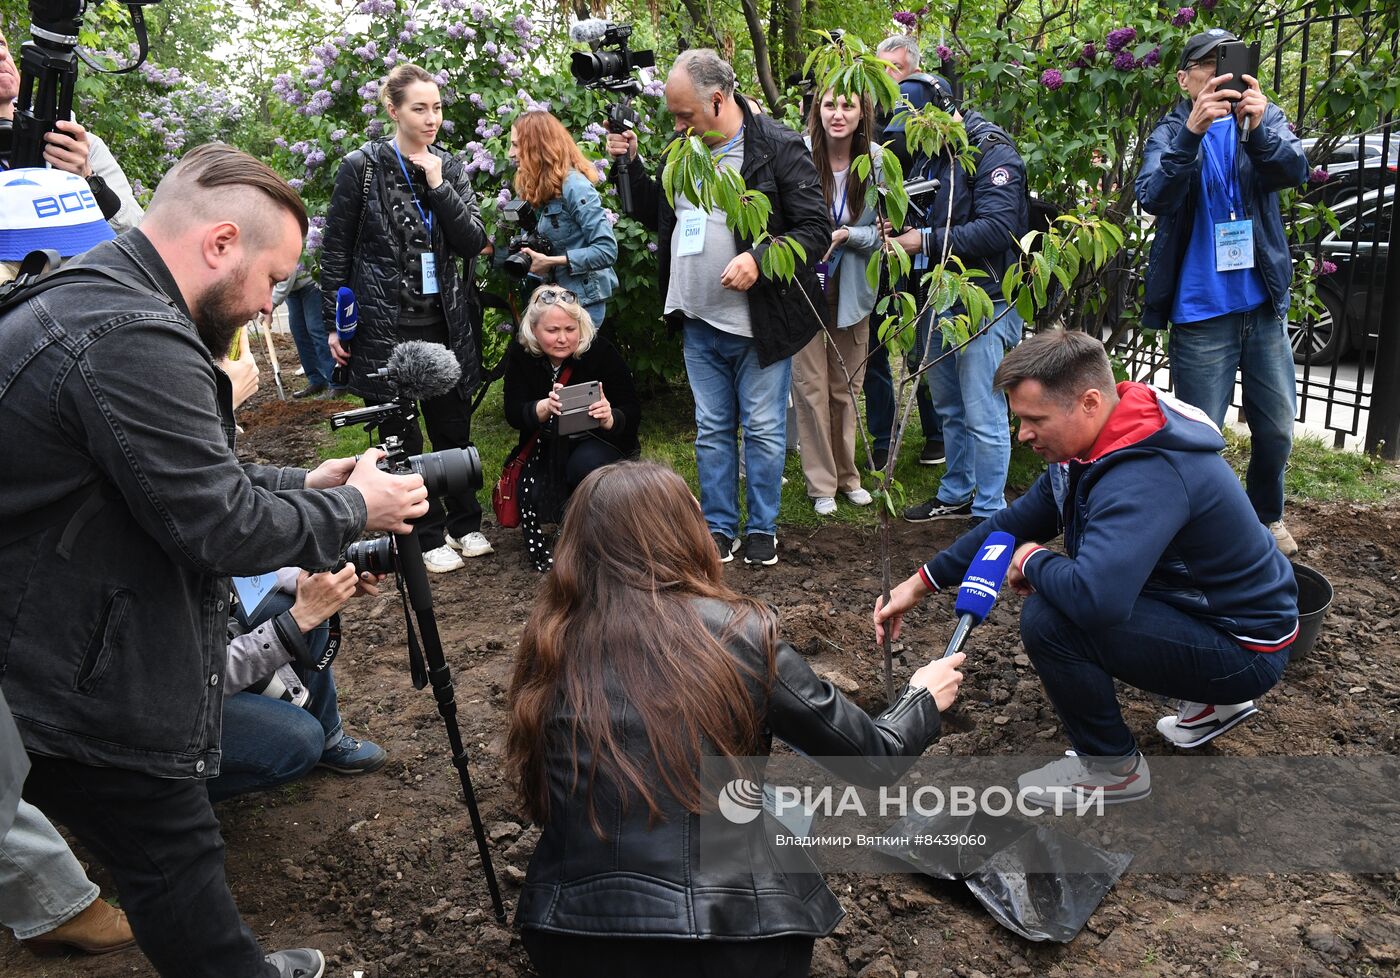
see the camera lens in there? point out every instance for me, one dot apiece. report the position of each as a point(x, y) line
point(517, 265)
point(450, 472)
point(375, 556)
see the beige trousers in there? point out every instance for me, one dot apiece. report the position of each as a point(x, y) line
point(826, 409)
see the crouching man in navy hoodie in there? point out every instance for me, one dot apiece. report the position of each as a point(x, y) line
point(1167, 579)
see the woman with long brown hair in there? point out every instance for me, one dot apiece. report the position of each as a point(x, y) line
point(557, 180)
point(637, 662)
point(838, 130)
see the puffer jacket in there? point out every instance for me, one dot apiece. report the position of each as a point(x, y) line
point(362, 251)
point(777, 163)
point(1169, 184)
point(652, 880)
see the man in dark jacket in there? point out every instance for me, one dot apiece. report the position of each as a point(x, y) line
point(1220, 268)
point(978, 218)
point(1167, 582)
point(741, 329)
point(122, 524)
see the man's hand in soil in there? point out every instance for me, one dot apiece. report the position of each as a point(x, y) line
point(321, 595)
point(902, 598)
point(942, 679)
point(390, 500)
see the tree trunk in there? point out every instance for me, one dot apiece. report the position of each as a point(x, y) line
point(763, 64)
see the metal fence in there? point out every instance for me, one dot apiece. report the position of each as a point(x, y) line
point(1348, 351)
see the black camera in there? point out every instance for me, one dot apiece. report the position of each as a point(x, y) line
point(525, 234)
point(375, 556)
point(611, 62)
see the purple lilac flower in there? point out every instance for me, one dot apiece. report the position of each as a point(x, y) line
point(1121, 38)
point(296, 183)
point(315, 236)
point(595, 133)
point(1328, 268)
point(367, 51)
point(610, 215)
point(503, 197)
point(336, 86)
point(489, 48)
point(370, 109)
point(1292, 127)
point(475, 99)
point(448, 126)
point(375, 128)
point(514, 73)
point(1052, 79)
point(601, 166)
point(522, 26)
point(320, 102)
point(1153, 58)
point(1124, 61)
point(337, 135)
point(905, 19)
point(279, 141)
point(456, 31)
point(1183, 17)
point(478, 12)
point(945, 53)
point(469, 33)
point(1319, 175)
point(1090, 52)
point(651, 247)
point(1209, 4)
point(375, 8)
point(504, 110)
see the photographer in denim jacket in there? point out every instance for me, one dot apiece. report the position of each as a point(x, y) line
point(557, 180)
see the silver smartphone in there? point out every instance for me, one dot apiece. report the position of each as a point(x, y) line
point(575, 400)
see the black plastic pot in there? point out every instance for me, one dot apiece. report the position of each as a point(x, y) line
point(1314, 598)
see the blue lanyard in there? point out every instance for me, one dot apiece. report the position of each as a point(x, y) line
point(839, 210)
point(1229, 186)
point(723, 151)
point(427, 216)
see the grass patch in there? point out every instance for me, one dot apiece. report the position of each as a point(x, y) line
point(1320, 473)
point(1315, 471)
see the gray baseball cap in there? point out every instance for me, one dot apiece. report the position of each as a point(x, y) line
point(1202, 44)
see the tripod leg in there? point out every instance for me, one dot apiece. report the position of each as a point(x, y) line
point(410, 561)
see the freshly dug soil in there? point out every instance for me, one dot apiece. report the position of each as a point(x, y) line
point(380, 871)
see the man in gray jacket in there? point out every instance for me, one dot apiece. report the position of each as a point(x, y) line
point(122, 518)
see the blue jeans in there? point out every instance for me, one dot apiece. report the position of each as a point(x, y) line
point(976, 429)
point(731, 390)
point(879, 392)
point(42, 884)
point(1204, 357)
point(1159, 649)
point(267, 741)
point(304, 319)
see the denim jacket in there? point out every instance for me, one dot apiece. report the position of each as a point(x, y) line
point(113, 619)
point(579, 229)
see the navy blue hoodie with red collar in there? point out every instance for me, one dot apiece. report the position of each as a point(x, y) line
point(1153, 511)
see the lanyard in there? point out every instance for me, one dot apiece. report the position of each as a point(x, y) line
point(427, 216)
point(1229, 186)
point(724, 150)
point(838, 211)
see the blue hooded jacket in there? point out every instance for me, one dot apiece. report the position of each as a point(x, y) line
point(1169, 184)
point(1154, 512)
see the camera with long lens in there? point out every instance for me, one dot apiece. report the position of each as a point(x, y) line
point(375, 556)
point(48, 68)
point(610, 62)
point(921, 194)
point(525, 234)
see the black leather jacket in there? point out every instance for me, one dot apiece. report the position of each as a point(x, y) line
point(113, 616)
point(649, 881)
point(361, 250)
point(777, 162)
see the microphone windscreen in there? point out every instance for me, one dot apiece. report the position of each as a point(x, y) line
point(419, 370)
point(588, 31)
point(978, 591)
point(347, 315)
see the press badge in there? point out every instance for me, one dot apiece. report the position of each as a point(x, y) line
point(692, 233)
point(430, 283)
point(1234, 245)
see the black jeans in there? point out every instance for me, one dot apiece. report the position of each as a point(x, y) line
point(449, 422)
point(570, 956)
point(159, 839)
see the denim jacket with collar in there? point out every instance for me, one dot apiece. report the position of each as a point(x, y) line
point(579, 229)
point(113, 618)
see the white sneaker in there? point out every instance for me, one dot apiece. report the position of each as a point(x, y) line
point(442, 560)
point(859, 496)
point(1070, 780)
point(824, 505)
point(473, 544)
point(1286, 544)
point(1195, 723)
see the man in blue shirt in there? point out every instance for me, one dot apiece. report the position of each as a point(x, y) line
point(1220, 267)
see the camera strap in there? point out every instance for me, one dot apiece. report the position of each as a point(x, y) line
point(416, 669)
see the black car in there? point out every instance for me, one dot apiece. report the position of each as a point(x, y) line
point(1351, 296)
point(1352, 163)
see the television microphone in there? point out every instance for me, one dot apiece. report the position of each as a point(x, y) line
point(588, 31)
point(419, 370)
point(978, 591)
point(347, 317)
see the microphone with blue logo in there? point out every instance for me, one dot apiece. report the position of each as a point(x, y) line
point(980, 585)
point(347, 317)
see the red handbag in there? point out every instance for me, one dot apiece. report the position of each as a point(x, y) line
point(505, 498)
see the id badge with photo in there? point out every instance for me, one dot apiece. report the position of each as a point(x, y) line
point(692, 228)
point(1234, 245)
point(430, 282)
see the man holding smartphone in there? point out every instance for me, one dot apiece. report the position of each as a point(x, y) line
point(1220, 269)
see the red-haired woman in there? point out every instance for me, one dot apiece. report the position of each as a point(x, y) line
point(557, 180)
point(637, 662)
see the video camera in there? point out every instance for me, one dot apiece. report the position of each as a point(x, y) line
point(921, 194)
point(525, 234)
point(611, 70)
point(48, 68)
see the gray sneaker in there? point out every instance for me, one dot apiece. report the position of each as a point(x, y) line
point(301, 962)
